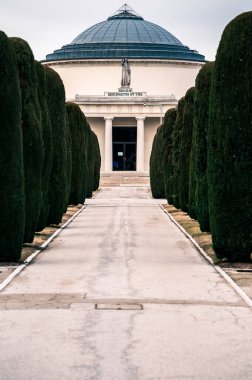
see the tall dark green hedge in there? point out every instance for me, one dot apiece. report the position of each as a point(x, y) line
point(68, 162)
point(230, 141)
point(11, 156)
point(176, 141)
point(32, 136)
point(47, 143)
point(168, 128)
point(192, 178)
point(156, 167)
point(90, 161)
point(97, 162)
point(77, 125)
point(161, 167)
point(201, 121)
point(59, 188)
point(185, 149)
point(85, 162)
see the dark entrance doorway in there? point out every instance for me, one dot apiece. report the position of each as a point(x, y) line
point(124, 148)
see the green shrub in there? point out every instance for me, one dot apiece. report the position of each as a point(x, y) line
point(156, 167)
point(201, 120)
point(85, 162)
point(11, 156)
point(185, 149)
point(169, 124)
point(90, 161)
point(77, 129)
point(192, 179)
point(97, 162)
point(32, 136)
point(47, 143)
point(68, 162)
point(59, 188)
point(230, 141)
point(176, 142)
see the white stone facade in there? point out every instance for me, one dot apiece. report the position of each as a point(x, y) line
point(156, 85)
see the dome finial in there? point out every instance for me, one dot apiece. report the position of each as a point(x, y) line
point(125, 8)
point(125, 11)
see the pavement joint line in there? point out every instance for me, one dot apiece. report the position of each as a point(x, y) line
point(67, 304)
point(73, 298)
point(226, 277)
point(162, 302)
point(61, 300)
point(21, 267)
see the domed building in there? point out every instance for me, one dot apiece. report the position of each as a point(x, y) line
point(125, 73)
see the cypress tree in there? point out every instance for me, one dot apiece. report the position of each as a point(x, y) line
point(47, 142)
point(90, 162)
point(185, 149)
point(97, 162)
point(11, 156)
point(68, 162)
point(156, 167)
point(59, 186)
point(76, 125)
point(192, 178)
point(32, 136)
point(176, 141)
point(169, 123)
point(201, 120)
point(85, 160)
point(230, 141)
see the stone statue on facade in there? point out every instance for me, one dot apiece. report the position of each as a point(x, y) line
point(126, 73)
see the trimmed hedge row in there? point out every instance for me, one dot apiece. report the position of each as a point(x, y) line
point(169, 125)
point(230, 142)
point(201, 117)
point(33, 150)
point(156, 166)
point(60, 179)
point(185, 149)
point(211, 165)
point(47, 145)
point(161, 159)
point(49, 157)
point(12, 198)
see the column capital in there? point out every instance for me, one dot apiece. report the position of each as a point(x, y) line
point(108, 117)
point(140, 117)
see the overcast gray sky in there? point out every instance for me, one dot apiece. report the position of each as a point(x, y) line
point(49, 24)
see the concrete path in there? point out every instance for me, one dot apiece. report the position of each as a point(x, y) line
point(179, 318)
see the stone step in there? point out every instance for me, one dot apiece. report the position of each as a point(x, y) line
point(124, 179)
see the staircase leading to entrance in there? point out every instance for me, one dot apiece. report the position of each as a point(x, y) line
point(124, 179)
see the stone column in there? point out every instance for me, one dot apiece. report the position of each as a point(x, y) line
point(108, 144)
point(140, 143)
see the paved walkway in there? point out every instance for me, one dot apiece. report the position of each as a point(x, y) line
point(182, 320)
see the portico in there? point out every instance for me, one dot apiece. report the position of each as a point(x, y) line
point(114, 120)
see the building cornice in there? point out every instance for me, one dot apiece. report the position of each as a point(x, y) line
point(92, 99)
point(132, 61)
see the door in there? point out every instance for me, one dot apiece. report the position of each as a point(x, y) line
point(124, 148)
point(124, 156)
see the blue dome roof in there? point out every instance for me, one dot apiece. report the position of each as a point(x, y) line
point(125, 34)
